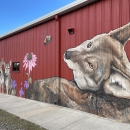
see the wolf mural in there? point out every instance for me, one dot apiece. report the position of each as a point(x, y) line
point(1, 76)
point(101, 83)
point(6, 79)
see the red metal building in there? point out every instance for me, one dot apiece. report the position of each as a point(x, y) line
point(84, 19)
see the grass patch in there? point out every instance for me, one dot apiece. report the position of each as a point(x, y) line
point(12, 122)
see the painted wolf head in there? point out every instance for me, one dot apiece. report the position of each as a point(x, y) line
point(7, 67)
point(97, 61)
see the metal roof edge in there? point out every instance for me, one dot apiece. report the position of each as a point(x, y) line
point(61, 11)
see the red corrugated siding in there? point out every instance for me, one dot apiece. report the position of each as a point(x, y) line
point(32, 40)
point(99, 17)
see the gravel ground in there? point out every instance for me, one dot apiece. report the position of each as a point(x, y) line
point(11, 122)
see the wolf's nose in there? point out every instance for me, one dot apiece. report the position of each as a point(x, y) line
point(67, 55)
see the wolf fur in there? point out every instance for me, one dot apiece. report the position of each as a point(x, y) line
point(1, 76)
point(8, 80)
point(102, 62)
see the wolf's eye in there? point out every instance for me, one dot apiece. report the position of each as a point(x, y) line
point(91, 65)
point(89, 45)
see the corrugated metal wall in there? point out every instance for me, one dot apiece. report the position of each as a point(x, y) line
point(16, 47)
point(99, 17)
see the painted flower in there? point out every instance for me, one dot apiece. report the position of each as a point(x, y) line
point(29, 61)
point(26, 84)
point(14, 84)
point(21, 92)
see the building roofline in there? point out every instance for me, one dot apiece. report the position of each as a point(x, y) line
point(61, 11)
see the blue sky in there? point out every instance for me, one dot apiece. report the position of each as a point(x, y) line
point(15, 13)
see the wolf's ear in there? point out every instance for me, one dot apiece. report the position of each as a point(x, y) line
point(2, 60)
point(121, 34)
point(4, 64)
point(10, 62)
